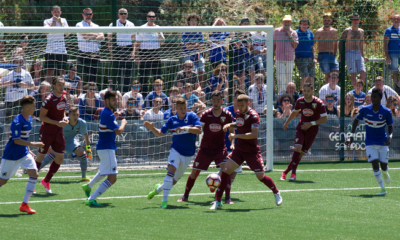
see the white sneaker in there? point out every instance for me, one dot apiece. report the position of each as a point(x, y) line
point(386, 177)
point(278, 199)
point(382, 192)
point(216, 205)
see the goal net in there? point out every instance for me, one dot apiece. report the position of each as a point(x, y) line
point(148, 66)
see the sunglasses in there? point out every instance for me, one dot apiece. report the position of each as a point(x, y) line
point(136, 87)
point(329, 101)
point(122, 13)
point(131, 104)
point(286, 100)
point(92, 89)
point(151, 16)
point(88, 14)
point(158, 85)
point(188, 66)
point(395, 104)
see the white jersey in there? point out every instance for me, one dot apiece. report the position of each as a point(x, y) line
point(124, 39)
point(87, 45)
point(326, 90)
point(15, 92)
point(151, 115)
point(55, 41)
point(386, 93)
point(258, 97)
point(139, 99)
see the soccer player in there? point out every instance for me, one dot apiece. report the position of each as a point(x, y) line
point(376, 116)
point(17, 152)
point(313, 113)
point(212, 147)
point(106, 147)
point(52, 114)
point(246, 149)
point(72, 146)
point(185, 125)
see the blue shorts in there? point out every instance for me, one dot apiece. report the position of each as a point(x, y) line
point(354, 61)
point(260, 61)
point(71, 146)
point(327, 62)
point(394, 65)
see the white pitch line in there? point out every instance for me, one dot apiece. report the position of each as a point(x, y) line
point(200, 194)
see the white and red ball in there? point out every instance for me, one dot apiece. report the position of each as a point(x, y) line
point(213, 181)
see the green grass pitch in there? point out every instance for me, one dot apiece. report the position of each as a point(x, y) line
point(328, 201)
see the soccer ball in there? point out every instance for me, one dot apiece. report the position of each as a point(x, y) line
point(213, 181)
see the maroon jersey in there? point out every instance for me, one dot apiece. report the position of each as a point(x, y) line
point(56, 107)
point(213, 140)
point(310, 111)
point(245, 122)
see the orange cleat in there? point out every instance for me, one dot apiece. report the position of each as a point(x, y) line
point(212, 190)
point(25, 208)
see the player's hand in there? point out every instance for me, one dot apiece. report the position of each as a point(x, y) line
point(62, 124)
point(285, 126)
point(89, 152)
point(349, 141)
point(117, 114)
point(180, 129)
point(148, 125)
point(226, 127)
point(233, 146)
point(33, 155)
point(306, 126)
point(387, 143)
point(232, 137)
point(123, 121)
point(38, 144)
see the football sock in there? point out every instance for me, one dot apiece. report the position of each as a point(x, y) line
point(384, 167)
point(95, 179)
point(83, 163)
point(30, 187)
point(378, 177)
point(289, 167)
point(295, 161)
point(228, 189)
point(270, 183)
point(232, 180)
point(225, 180)
point(101, 189)
point(189, 185)
point(48, 159)
point(0, 185)
point(168, 183)
point(160, 188)
point(38, 164)
point(52, 170)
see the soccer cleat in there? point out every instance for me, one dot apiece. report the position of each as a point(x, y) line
point(46, 186)
point(34, 191)
point(92, 203)
point(382, 192)
point(216, 205)
point(164, 204)
point(85, 179)
point(25, 208)
point(212, 190)
point(283, 176)
point(278, 199)
point(292, 177)
point(386, 177)
point(86, 189)
point(229, 201)
point(183, 199)
point(153, 193)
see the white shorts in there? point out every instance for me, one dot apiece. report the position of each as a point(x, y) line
point(179, 162)
point(377, 152)
point(108, 162)
point(237, 170)
point(9, 167)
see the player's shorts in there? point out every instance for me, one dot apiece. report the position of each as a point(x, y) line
point(179, 162)
point(305, 66)
point(10, 167)
point(253, 159)
point(237, 170)
point(394, 62)
point(55, 141)
point(71, 146)
point(108, 162)
point(327, 62)
point(204, 159)
point(354, 61)
point(56, 61)
point(377, 152)
point(305, 138)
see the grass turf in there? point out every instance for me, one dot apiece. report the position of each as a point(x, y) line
point(318, 209)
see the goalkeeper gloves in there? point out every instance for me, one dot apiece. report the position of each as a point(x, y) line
point(89, 152)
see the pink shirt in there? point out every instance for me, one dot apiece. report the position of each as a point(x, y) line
point(284, 50)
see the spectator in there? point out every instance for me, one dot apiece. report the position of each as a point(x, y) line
point(189, 76)
point(134, 93)
point(19, 51)
point(110, 86)
point(258, 94)
point(148, 58)
point(392, 51)
point(131, 112)
point(325, 38)
point(259, 48)
point(158, 88)
point(286, 102)
point(43, 91)
point(359, 96)
point(172, 110)
point(386, 90)
point(155, 114)
point(354, 49)
point(305, 58)
point(2, 59)
point(330, 105)
point(331, 87)
point(291, 90)
point(285, 42)
point(217, 44)
point(75, 80)
point(89, 102)
point(218, 80)
point(17, 82)
point(368, 100)
point(242, 54)
point(56, 53)
point(124, 52)
point(393, 105)
point(71, 99)
point(37, 74)
point(173, 93)
point(192, 100)
point(193, 43)
point(349, 105)
point(89, 47)
point(236, 81)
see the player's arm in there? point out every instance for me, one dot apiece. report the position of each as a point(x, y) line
point(28, 144)
point(291, 116)
point(43, 117)
point(251, 135)
point(390, 135)
point(121, 128)
point(153, 129)
point(230, 126)
point(232, 140)
point(321, 120)
point(194, 130)
point(353, 130)
point(88, 149)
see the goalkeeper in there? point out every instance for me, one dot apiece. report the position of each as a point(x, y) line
point(72, 146)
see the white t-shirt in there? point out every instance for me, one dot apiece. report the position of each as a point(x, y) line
point(258, 40)
point(139, 99)
point(14, 92)
point(87, 45)
point(55, 41)
point(102, 92)
point(148, 40)
point(259, 100)
point(326, 90)
point(151, 115)
point(124, 39)
point(389, 92)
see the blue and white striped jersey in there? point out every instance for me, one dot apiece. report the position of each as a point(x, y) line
point(107, 127)
point(20, 129)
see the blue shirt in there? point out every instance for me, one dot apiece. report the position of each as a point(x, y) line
point(217, 52)
point(192, 100)
point(306, 41)
point(227, 142)
point(394, 40)
point(20, 129)
point(168, 113)
point(191, 37)
point(184, 142)
point(375, 124)
point(70, 131)
point(358, 99)
point(107, 127)
point(148, 101)
point(213, 82)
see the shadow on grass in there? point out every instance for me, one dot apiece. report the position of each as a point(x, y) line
point(366, 196)
point(206, 203)
point(237, 210)
point(14, 215)
point(68, 182)
point(105, 205)
point(302, 181)
point(44, 195)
